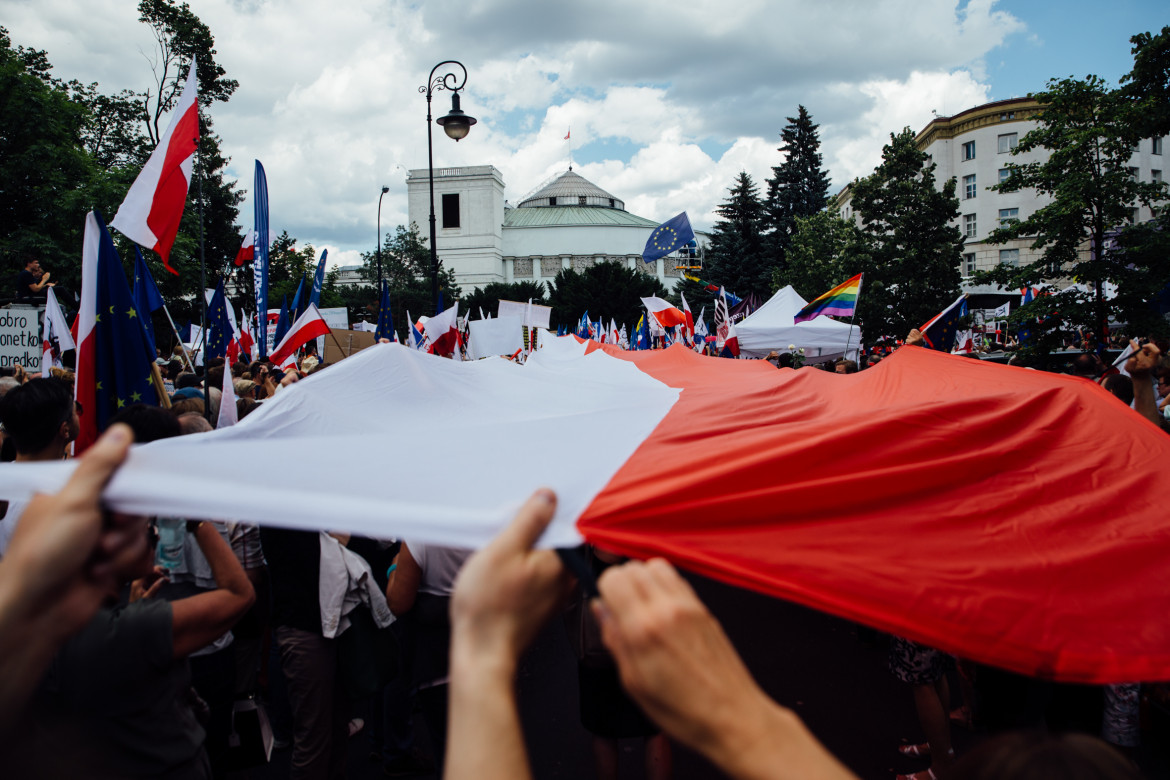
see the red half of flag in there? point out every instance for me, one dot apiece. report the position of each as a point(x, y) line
point(247, 251)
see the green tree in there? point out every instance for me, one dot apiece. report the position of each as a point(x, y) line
point(1148, 84)
point(406, 266)
point(799, 186)
point(824, 251)
point(487, 298)
point(736, 258)
point(181, 37)
point(1088, 136)
point(607, 290)
point(911, 247)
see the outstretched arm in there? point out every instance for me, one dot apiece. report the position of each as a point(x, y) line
point(677, 663)
point(58, 568)
point(503, 595)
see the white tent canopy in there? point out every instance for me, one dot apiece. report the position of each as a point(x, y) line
point(770, 327)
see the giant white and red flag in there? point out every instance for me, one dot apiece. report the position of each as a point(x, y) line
point(1047, 558)
point(153, 208)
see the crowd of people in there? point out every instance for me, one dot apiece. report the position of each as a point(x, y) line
point(127, 643)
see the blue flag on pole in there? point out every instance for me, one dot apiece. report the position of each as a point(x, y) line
point(219, 328)
point(122, 354)
point(260, 263)
point(147, 298)
point(298, 305)
point(667, 237)
point(583, 326)
point(282, 324)
point(385, 327)
point(318, 280)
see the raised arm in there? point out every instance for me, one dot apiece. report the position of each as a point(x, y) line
point(198, 620)
point(677, 663)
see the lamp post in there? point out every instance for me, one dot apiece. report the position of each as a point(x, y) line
point(456, 125)
point(379, 249)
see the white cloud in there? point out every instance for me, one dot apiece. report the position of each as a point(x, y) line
point(329, 100)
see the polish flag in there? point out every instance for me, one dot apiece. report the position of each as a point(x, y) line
point(442, 331)
point(308, 326)
point(85, 384)
point(568, 133)
point(153, 208)
point(663, 313)
point(1042, 586)
point(247, 251)
point(56, 337)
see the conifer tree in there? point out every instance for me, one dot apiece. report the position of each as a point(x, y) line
point(799, 186)
point(736, 258)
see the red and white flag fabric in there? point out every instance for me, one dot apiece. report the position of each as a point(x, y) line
point(1048, 556)
point(247, 251)
point(153, 208)
point(663, 313)
point(228, 415)
point(442, 331)
point(55, 335)
point(725, 338)
point(308, 326)
point(85, 380)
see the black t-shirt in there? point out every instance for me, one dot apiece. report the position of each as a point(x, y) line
point(23, 280)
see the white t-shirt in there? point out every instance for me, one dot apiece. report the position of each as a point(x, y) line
point(439, 565)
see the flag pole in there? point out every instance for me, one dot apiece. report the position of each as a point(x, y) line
point(179, 339)
point(849, 335)
point(203, 289)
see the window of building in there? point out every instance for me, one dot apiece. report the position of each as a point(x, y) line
point(969, 225)
point(580, 200)
point(552, 201)
point(969, 188)
point(1156, 145)
point(1156, 176)
point(969, 150)
point(969, 264)
point(1009, 257)
point(1007, 142)
point(1135, 216)
point(1004, 174)
point(1007, 216)
point(1133, 174)
point(611, 203)
point(1008, 116)
point(451, 210)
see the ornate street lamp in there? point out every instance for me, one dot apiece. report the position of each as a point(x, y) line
point(456, 125)
point(379, 249)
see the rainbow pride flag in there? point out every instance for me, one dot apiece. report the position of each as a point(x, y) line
point(841, 301)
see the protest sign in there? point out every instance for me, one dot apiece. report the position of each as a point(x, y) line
point(20, 337)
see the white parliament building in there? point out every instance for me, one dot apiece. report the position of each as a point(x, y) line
point(974, 147)
point(568, 222)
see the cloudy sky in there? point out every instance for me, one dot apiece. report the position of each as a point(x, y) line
point(666, 101)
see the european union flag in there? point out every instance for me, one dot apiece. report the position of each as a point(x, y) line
point(1025, 336)
point(940, 331)
point(667, 237)
point(385, 328)
point(147, 298)
point(219, 328)
point(123, 357)
point(583, 326)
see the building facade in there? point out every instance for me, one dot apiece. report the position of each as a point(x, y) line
point(974, 147)
point(567, 223)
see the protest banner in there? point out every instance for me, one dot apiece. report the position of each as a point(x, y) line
point(20, 337)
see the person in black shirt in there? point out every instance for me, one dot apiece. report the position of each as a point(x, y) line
point(32, 281)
